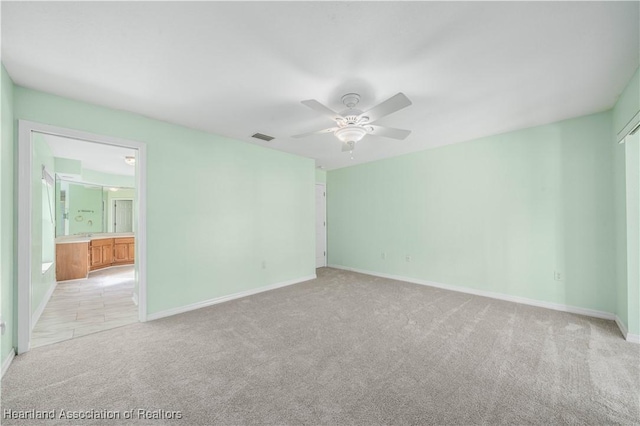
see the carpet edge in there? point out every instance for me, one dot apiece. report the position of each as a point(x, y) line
point(227, 298)
point(500, 296)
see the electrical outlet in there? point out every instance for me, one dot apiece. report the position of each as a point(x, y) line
point(408, 258)
point(384, 256)
point(558, 276)
point(3, 326)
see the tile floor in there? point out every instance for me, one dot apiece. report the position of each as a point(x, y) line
point(80, 307)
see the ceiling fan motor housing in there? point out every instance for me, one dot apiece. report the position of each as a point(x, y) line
point(351, 119)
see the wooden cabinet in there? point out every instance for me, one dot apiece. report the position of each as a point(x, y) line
point(123, 251)
point(111, 252)
point(72, 262)
point(101, 253)
point(75, 260)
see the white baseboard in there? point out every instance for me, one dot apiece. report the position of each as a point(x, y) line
point(517, 299)
point(633, 338)
point(221, 299)
point(43, 304)
point(622, 327)
point(135, 298)
point(7, 362)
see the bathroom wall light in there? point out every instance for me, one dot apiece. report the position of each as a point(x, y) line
point(130, 160)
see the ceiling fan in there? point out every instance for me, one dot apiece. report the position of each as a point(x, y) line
point(352, 124)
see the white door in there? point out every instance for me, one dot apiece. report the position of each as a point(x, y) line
point(122, 215)
point(321, 226)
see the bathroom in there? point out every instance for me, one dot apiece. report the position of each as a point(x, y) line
point(86, 200)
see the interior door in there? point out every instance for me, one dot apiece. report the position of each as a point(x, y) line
point(321, 226)
point(122, 215)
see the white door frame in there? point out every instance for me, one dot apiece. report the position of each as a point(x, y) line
point(326, 249)
point(25, 164)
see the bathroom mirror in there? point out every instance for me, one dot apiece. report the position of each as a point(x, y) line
point(85, 208)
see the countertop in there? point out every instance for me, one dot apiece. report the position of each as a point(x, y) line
point(84, 238)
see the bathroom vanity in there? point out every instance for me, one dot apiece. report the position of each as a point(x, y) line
point(76, 256)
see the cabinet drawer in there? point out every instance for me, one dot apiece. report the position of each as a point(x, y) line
point(127, 240)
point(102, 242)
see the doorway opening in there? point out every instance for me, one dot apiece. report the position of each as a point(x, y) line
point(81, 269)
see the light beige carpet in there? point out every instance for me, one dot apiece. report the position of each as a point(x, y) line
point(343, 349)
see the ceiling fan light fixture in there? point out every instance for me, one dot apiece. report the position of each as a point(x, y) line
point(352, 124)
point(350, 133)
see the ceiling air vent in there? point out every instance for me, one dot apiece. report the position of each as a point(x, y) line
point(263, 137)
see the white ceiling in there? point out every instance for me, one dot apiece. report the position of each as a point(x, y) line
point(94, 156)
point(471, 69)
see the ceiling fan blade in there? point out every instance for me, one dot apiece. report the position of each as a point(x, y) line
point(348, 146)
point(391, 105)
point(326, 111)
point(319, 132)
point(388, 132)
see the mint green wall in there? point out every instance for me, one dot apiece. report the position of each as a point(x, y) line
point(321, 176)
point(620, 220)
point(632, 152)
point(68, 166)
point(7, 214)
point(627, 207)
point(217, 208)
point(497, 214)
point(85, 209)
point(108, 179)
point(40, 283)
point(74, 167)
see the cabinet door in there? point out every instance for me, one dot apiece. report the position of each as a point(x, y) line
point(132, 251)
point(107, 254)
point(123, 250)
point(120, 253)
point(96, 256)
